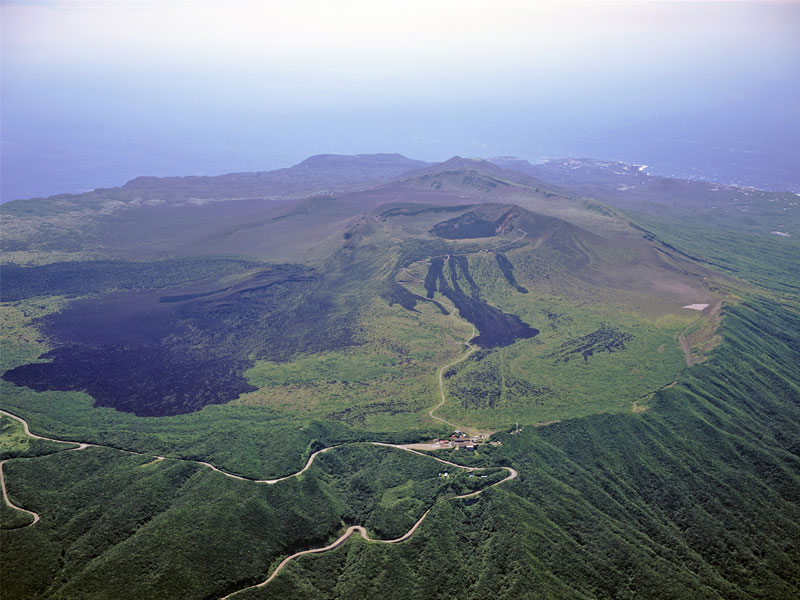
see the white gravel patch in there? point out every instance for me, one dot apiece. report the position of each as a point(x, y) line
point(696, 306)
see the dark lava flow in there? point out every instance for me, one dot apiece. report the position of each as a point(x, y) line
point(496, 327)
point(169, 352)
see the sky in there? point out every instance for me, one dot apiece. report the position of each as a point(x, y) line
point(96, 93)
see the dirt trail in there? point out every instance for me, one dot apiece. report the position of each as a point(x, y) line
point(441, 460)
point(350, 531)
point(484, 250)
point(267, 481)
point(410, 276)
point(687, 350)
point(83, 445)
point(26, 429)
point(441, 380)
point(453, 312)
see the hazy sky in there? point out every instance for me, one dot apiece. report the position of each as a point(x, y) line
point(95, 93)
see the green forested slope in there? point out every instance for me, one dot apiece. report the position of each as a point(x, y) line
point(116, 525)
point(697, 498)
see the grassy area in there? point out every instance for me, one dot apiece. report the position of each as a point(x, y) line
point(328, 366)
point(384, 384)
point(14, 443)
point(546, 378)
point(20, 341)
point(750, 253)
point(695, 498)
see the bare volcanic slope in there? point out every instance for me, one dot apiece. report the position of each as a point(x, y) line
point(136, 348)
point(140, 350)
point(726, 225)
point(318, 174)
point(541, 292)
point(156, 210)
point(565, 252)
point(631, 188)
point(459, 181)
point(279, 214)
point(185, 216)
point(172, 349)
point(548, 255)
point(489, 220)
point(463, 173)
point(323, 173)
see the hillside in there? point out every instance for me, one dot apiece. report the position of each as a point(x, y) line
point(639, 378)
point(711, 221)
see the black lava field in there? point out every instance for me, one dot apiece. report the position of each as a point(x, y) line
point(497, 328)
point(173, 351)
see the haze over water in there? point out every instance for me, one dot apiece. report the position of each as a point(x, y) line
point(96, 93)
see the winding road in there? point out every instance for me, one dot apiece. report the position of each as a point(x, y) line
point(11, 504)
point(82, 445)
point(472, 349)
point(512, 473)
